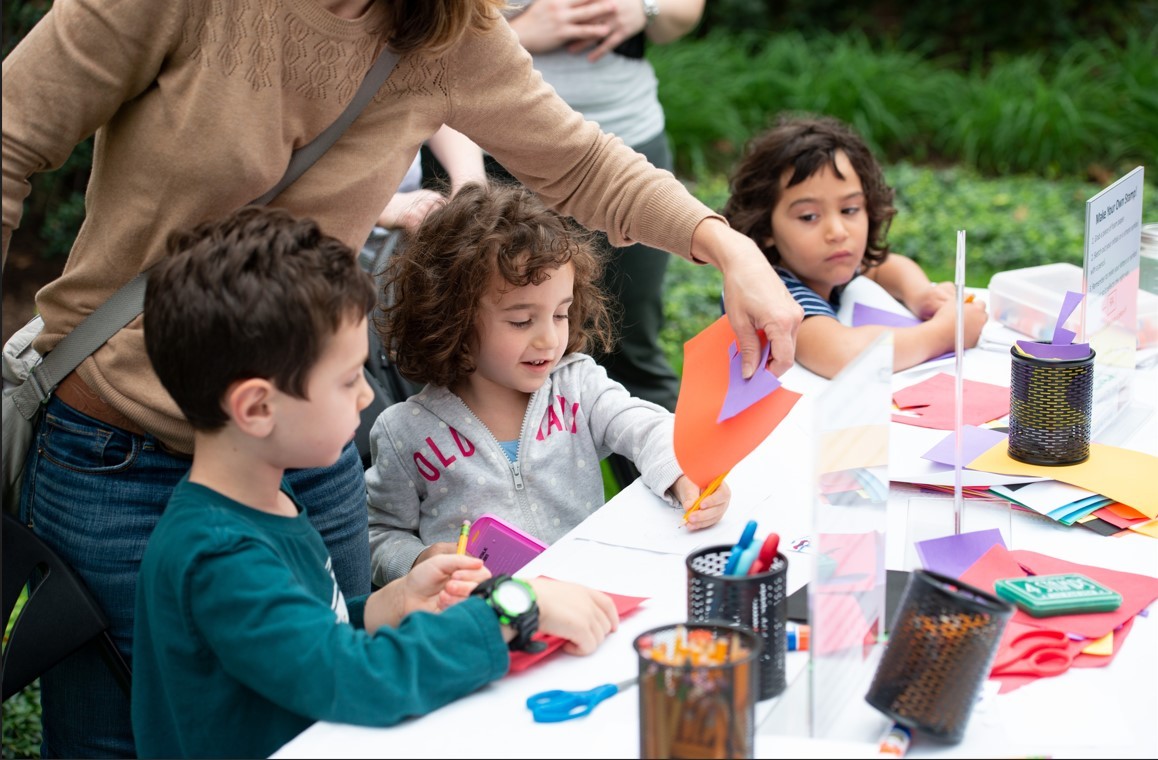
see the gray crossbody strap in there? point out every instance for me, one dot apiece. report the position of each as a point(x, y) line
point(124, 305)
point(121, 308)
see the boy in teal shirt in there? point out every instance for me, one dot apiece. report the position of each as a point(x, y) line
point(256, 325)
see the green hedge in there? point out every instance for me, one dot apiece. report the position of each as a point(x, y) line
point(1092, 111)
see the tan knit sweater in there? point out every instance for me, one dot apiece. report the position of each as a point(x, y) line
point(197, 105)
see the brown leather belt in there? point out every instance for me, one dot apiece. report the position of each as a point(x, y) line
point(76, 393)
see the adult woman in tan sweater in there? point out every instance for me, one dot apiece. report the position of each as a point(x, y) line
point(196, 107)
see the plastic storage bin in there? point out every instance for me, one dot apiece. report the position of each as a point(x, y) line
point(1028, 300)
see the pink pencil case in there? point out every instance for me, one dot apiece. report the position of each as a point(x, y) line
point(502, 547)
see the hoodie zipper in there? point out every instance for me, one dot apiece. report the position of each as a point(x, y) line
point(516, 467)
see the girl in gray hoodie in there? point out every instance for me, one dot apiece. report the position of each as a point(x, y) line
point(491, 305)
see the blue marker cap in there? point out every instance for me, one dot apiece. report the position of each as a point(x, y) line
point(747, 536)
point(745, 539)
point(747, 557)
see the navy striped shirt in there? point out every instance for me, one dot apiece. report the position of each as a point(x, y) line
point(808, 299)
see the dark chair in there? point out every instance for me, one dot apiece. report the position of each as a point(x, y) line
point(59, 617)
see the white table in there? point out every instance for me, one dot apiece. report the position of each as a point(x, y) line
point(1108, 711)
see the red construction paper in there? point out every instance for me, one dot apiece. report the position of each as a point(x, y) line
point(706, 448)
point(1138, 591)
point(1009, 683)
point(520, 661)
point(1116, 518)
point(932, 400)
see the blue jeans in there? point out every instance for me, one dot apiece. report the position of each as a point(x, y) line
point(94, 492)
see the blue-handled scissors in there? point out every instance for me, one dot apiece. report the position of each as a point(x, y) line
point(557, 704)
point(1040, 653)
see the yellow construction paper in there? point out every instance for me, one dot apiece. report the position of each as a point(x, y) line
point(1103, 647)
point(1146, 529)
point(1123, 475)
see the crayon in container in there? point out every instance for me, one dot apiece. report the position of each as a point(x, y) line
point(697, 691)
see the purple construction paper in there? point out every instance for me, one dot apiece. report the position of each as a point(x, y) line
point(863, 314)
point(953, 555)
point(1061, 336)
point(975, 441)
point(1067, 351)
point(743, 393)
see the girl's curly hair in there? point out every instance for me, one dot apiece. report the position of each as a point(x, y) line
point(433, 285)
point(805, 144)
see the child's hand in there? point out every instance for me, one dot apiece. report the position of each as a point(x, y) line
point(431, 586)
point(711, 509)
point(976, 315)
point(926, 304)
point(439, 547)
point(581, 615)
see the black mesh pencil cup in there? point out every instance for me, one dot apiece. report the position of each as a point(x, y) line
point(757, 602)
point(941, 646)
point(1050, 409)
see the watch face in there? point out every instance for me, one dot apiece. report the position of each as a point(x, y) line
point(513, 597)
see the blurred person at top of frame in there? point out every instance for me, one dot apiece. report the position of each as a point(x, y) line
point(592, 53)
point(197, 107)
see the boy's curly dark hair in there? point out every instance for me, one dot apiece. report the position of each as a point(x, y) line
point(804, 144)
point(434, 283)
point(257, 293)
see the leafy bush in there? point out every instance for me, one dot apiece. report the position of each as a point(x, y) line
point(21, 713)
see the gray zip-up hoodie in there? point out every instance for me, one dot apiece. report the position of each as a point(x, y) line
point(435, 464)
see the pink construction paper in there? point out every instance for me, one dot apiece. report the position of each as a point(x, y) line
point(975, 441)
point(953, 555)
point(932, 400)
point(743, 393)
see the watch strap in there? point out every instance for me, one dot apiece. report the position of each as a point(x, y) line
point(525, 624)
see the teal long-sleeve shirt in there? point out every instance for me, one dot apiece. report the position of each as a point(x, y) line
point(242, 638)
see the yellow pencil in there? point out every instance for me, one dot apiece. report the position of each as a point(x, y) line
point(462, 534)
point(711, 489)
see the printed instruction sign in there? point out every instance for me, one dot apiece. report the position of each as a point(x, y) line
point(1113, 238)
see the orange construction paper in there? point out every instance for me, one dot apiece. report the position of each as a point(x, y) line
point(1124, 475)
point(703, 447)
point(1123, 511)
point(1115, 517)
point(520, 661)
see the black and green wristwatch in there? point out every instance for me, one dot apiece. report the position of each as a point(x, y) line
point(514, 602)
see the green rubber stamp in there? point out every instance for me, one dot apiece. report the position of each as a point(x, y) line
point(1061, 594)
